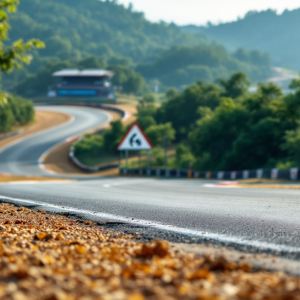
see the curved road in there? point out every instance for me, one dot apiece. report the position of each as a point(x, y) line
point(267, 219)
point(22, 157)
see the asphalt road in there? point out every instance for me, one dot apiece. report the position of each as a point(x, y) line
point(179, 210)
point(265, 218)
point(22, 158)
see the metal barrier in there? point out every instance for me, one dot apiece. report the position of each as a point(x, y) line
point(72, 157)
point(287, 174)
point(8, 135)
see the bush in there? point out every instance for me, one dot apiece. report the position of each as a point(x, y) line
point(156, 133)
point(17, 111)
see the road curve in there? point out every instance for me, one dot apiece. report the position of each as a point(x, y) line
point(22, 157)
point(265, 218)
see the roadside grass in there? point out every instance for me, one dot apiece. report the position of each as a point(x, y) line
point(98, 160)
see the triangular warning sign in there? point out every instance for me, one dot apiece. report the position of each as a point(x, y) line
point(135, 139)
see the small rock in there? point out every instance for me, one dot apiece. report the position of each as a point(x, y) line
point(2, 227)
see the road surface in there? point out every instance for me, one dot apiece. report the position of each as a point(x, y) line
point(267, 219)
point(264, 218)
point(22, 158)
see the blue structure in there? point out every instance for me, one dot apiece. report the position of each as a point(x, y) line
point(85, 83)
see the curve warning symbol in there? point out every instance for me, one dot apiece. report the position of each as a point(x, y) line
point(135, 139)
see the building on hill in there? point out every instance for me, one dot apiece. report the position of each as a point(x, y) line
point(86, 83)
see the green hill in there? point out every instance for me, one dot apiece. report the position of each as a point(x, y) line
point(267, 31)
point(74, 30)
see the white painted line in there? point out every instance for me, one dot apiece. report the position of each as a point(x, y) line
point(109, 185)
point(222, 184)
point(35, 182)
point(148, 223)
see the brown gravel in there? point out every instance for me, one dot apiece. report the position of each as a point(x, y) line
point(53, 257)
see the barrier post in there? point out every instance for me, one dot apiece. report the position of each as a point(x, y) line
point(148, 160)
point(126, 154)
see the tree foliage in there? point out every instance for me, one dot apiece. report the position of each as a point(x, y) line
point(76, 30)
point(266, 30)
point(13, 110)
point(183, 65)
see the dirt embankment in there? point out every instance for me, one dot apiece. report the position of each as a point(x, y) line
point(58, 160)
point(43, 120)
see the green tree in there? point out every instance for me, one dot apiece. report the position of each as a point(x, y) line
point(292, 145)
point(17, 53)
point(134, 84)
point(156, 133)
point(236, 86)
point(184, 158)
point(171, 92)
point(182, 110)
point(113, 136)
point(149, 98)
point(146, 122)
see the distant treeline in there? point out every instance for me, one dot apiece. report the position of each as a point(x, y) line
point(123, 40)
point(125, 77)
point(217, 127)
point(183, 65)
point(15, 111)
point(276, 34)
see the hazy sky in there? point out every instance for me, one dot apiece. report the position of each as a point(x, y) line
point(201, 11)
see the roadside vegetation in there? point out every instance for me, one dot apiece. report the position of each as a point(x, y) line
point(13, 110)
point(216, 127)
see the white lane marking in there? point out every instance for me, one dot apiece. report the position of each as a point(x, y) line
point(72, 138)
point(165, 227)
point(109, 185)
point(222, 184)
point(35, 182)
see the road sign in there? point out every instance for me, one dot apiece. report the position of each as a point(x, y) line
point(135, 140)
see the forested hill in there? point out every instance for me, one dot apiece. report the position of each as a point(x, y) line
point(267, 31)
point(114, 35)
point(77, 28)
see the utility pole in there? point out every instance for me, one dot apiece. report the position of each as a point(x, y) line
point(148, 159)
point(126, 160)
point(166, 154)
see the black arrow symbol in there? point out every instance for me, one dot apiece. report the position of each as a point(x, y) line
point(132, 139)
point(138, 142)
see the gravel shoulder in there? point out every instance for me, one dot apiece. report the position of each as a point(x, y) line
point(46, 256)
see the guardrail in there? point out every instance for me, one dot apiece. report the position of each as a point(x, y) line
point(93, 105)
point(287, 174)
point(8, 135)
point(72, 157)
point(85, 168)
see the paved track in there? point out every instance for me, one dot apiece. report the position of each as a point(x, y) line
point(266, 218)
point(23, 157)
point(261, 216)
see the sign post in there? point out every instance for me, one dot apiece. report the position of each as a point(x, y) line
point(135, 140)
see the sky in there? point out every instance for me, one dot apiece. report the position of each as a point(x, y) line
point(199, 12)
